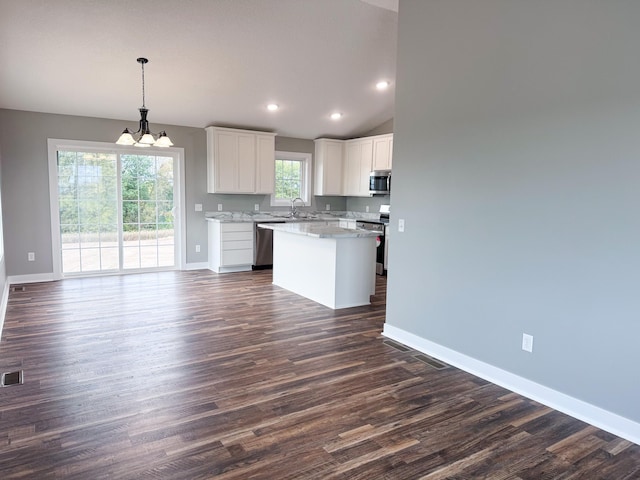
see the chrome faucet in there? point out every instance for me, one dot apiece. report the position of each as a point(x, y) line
point(294, 211)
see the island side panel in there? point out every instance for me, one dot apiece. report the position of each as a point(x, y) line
point(306, 266)
point(355, 271)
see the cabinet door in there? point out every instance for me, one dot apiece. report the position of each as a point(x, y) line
point(366, 158)
point(357, 165)
point(352, 168)
point(265, 164)
point(328, 167)
point(382, 153)
point(246, 163)
point(225, 161)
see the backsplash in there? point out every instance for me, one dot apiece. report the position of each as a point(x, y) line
point(360, 204)
point(247, 203)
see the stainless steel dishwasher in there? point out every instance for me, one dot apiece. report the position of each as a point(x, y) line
point(263, 248)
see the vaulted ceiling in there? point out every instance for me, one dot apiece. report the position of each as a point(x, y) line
point(211, 62)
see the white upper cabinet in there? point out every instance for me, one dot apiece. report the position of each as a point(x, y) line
point(237, 161)
point(265, 163)
point(328, 166)
point(357, 167)
point(382, 152)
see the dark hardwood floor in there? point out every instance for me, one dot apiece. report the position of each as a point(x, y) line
point(193, 375)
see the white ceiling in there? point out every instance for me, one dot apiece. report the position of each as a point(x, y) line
point(211, 62)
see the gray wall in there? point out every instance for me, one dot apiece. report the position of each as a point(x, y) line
point(360, 204)
point(386, 127)
point(25, 184)
point(3, 273)
point(516, 169)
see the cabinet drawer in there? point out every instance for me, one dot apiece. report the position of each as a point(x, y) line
point(237, 227)
point(237, 245)
point(234, 236)
point(237, 257)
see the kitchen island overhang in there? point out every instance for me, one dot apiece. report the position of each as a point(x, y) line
point(333, 266)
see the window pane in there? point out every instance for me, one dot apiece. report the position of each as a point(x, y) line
point(149, 257)
point(71, 261)
point(109, 258)
point(165, 255)
point(90, 258)
point(288, 179)
point(131, 257)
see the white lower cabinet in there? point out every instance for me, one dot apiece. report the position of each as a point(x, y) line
point(230, 246)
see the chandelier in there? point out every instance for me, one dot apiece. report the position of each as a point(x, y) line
point(143, 137)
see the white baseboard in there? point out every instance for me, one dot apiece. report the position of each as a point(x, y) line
point(596, 416)
point(196, 266)
point(32, 278)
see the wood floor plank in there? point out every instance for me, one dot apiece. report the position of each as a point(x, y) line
point(194, 375)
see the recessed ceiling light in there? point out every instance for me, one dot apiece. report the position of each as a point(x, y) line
point(272, 107)
point(383, 85)
point(336, 116)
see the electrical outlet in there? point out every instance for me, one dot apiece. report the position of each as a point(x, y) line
point(197, 248)
point(527, 342)
point(401, 225)
point(198, 207)
point(366, 209)
point(256, 207)
point(31, 256)
point(328, 207)
point(219, 207)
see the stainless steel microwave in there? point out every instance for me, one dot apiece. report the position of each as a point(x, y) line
point(380, 182)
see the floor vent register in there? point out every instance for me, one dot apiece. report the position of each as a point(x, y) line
point(12, 378)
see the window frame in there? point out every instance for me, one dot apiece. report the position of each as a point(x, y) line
point(305, 188)
point(55, 144)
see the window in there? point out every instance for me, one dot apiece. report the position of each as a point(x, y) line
point(293, 178)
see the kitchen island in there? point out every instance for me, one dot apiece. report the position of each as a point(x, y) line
point(333, 266)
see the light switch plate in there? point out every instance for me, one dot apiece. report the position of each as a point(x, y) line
point(198, 207)
point(527, 342)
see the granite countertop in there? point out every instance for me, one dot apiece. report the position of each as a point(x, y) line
point(312, 229)
point(267, 218)
point(256, 217)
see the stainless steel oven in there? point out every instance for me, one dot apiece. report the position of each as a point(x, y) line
point(379, 229)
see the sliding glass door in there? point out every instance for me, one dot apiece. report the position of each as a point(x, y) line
point(115, 210)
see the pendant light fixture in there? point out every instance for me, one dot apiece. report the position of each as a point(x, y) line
point(143, 137)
